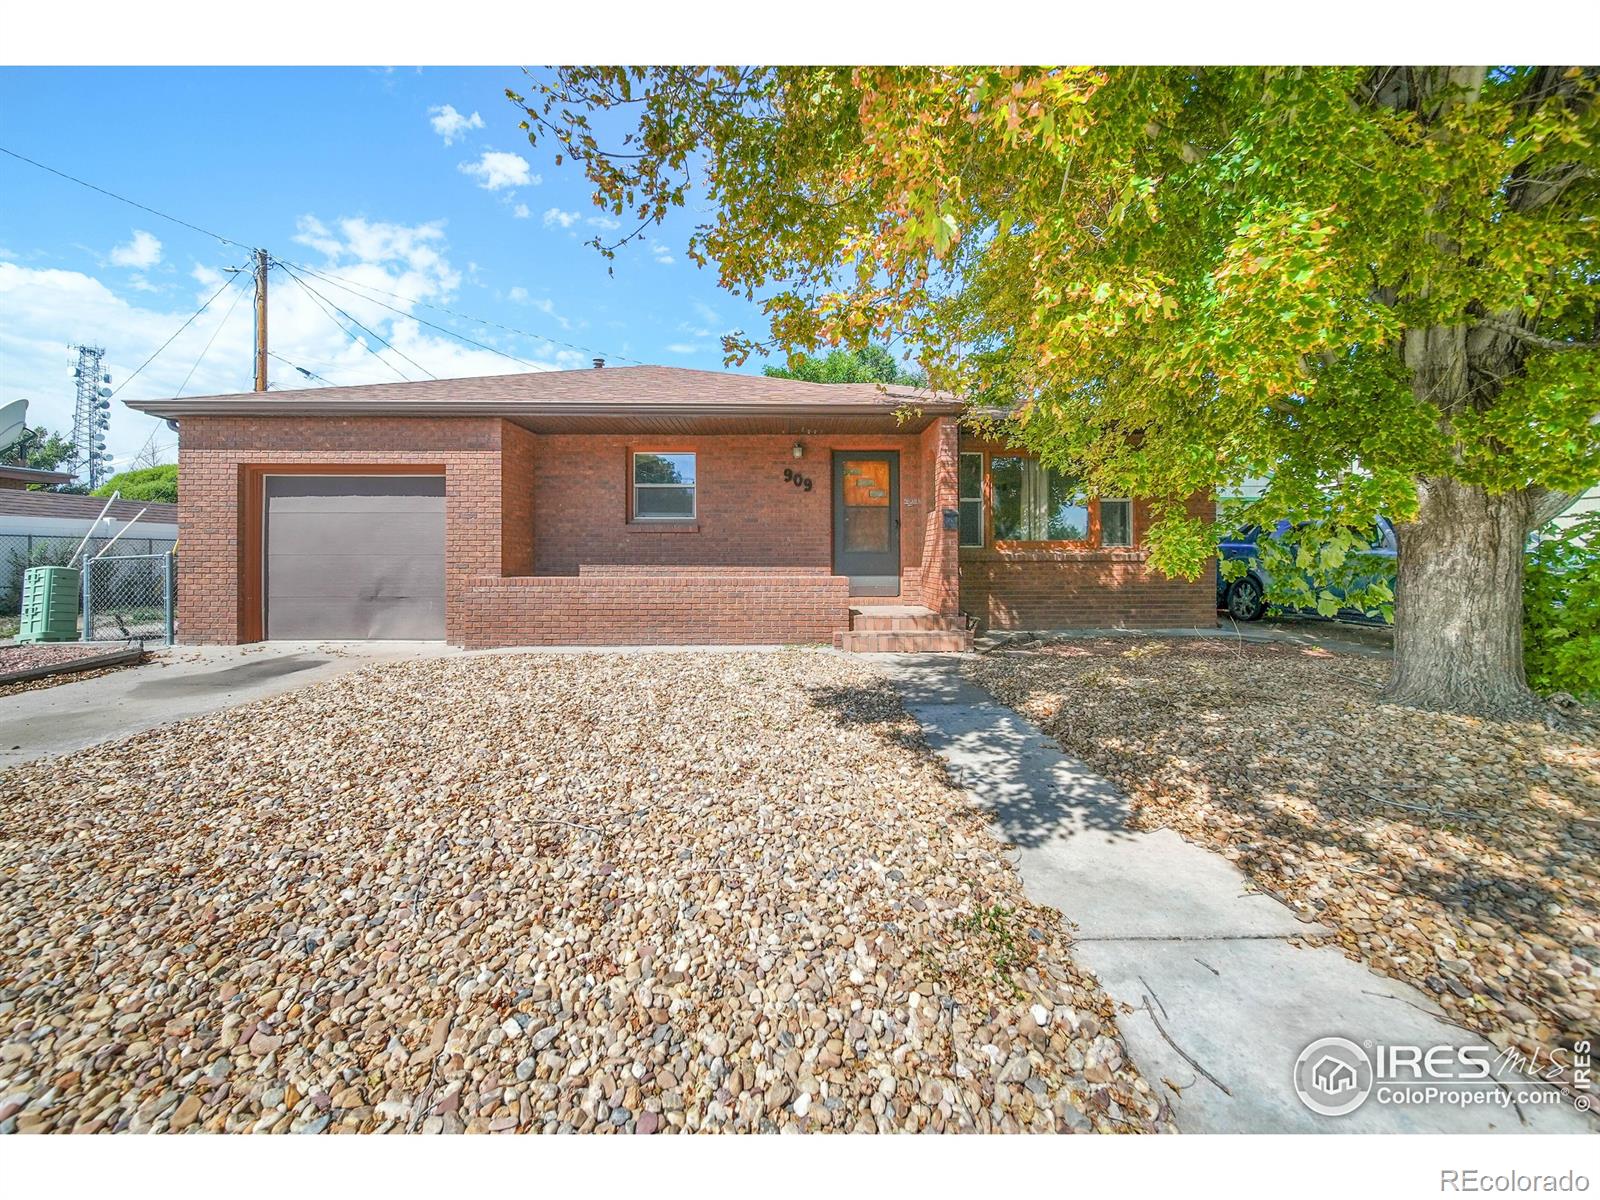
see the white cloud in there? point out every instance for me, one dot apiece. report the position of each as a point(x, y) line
point(684, 348)
point(663, 254)
point(522, 212)
point(450, 125)
point(707, 325)
point(141, 251)
point(521, 295)
point(602, 222)
point(497, 169)
point(557, 217)
point(47, 309)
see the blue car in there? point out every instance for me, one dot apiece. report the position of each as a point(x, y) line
point(1245, 598)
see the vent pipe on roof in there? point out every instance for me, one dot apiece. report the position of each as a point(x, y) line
point(598, 363)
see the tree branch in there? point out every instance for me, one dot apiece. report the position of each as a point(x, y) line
point(1512, 329)
point(1547, 505)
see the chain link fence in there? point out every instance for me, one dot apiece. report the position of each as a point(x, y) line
point(19, 551)
point(128, 597)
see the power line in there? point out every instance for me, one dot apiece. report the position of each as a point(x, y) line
point(156, 425)
point(298, 367)
point(357, 324)
point(238, 296)
point(346, 284)
point(155, 212)
point(324, 306)
point(413, 316)
point(349, 286)
point(225, 286)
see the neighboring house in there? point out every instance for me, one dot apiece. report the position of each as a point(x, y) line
point(1588, 502)
point(17, 479)
point(39, 528)
point(641, 505)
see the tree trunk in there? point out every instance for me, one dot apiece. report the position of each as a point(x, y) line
point(1458, 603)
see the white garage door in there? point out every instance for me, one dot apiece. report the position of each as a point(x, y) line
point(354, 556)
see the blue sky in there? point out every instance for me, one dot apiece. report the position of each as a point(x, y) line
point(413, 182)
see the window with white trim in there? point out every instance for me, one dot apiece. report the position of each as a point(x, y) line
point(663, 486)
point(969, 499)
point(1116, 522)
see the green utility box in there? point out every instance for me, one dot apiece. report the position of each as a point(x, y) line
point(50, 604)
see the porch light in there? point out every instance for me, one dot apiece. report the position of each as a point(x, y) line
point(799, 450)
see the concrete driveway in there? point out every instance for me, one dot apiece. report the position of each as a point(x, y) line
point(179, 682)
point(1222, 1000)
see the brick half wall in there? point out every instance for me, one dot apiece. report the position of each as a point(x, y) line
point(1087, 589)
point(636, 607)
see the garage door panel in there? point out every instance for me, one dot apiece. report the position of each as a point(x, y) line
point(355, 503)
point(342, 533)
point(358, 556)
point(297, 619)
point(374, 577)
point(356, 492)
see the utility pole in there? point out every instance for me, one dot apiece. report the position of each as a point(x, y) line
point(261, 320)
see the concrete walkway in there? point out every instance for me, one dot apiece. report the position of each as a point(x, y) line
point(1223, 1003)
point(180, 682)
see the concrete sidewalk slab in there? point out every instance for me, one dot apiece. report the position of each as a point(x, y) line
point(180, 682)
point(1222, 1001)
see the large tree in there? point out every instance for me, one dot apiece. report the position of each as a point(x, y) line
point(1376, 286)
point(871, 364)
point(39, 448)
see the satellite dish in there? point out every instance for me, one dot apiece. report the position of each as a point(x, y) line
point(13, 423)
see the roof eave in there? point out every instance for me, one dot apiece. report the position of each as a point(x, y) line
point(206, 407)
point(35, 474)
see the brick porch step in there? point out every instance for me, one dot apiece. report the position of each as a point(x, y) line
point(897, 617)
point(909, 641)
point(902, 629)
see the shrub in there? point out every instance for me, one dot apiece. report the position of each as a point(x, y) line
point(146, 483)
point(1561, 609)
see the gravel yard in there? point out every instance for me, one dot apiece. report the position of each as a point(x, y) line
point(14, 657)
point(652, 893)
point(1459, 854)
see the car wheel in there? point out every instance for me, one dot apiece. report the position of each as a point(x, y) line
point(1246, 601)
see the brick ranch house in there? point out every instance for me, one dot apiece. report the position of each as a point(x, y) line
point(645, 505)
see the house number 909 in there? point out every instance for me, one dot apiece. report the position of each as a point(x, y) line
point(790, 475)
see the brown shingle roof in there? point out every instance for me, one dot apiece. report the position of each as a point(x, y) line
point(612, 391)
point(65, 504)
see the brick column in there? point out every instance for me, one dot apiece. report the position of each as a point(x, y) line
point(941, 561)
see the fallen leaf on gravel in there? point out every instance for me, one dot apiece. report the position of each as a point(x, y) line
point(1459, 854)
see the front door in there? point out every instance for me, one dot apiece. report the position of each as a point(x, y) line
point(866, 520)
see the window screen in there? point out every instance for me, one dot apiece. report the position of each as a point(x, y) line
point(1116, 522)
point(970, 499)
point(1035, 504)
point(663, 487)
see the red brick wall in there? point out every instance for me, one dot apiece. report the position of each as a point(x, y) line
point(518, 466)
point(748, 515)
point(1086, 589)
point(669, 607)
point(213, 452)
point(936, 581)
point(518, 504)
